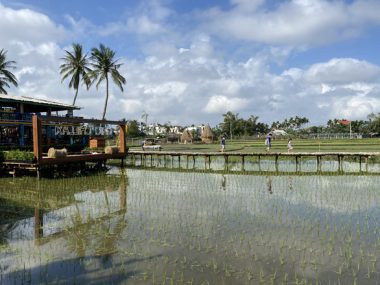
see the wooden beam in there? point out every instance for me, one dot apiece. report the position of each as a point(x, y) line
point(79, 120)
point(37, 138)
point(122, 142)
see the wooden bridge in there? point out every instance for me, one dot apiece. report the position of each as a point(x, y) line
point(188, 160)
point(230, 161)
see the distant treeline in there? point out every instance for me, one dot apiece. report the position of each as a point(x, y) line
point(235, 127)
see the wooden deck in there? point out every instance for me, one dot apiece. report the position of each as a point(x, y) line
point(14, 167)
point(80, 158)
point(41, 161)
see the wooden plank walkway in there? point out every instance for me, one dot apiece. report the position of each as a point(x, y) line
point(361, 157)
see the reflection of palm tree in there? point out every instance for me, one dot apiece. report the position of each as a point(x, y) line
point(101, 233)
point(108, 244)
point(123, 190)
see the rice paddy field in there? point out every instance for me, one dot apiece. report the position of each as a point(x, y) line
point(139, 226)
point(280, 145)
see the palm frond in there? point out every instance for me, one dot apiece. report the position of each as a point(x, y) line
point(5, 75)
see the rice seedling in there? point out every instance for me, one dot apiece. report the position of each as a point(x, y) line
point(165, 227)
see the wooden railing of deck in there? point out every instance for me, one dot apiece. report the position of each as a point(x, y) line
point(37, 139)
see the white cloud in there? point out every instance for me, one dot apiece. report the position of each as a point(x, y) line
point(25, 25)
point(295, 23)
point(190, 80)
point(130, 105)
point(222, 104)
point(143, 25)
point(342, 70)
point(355, 107)
point(173, 89)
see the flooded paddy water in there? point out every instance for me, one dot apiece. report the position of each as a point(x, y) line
point(137, 226)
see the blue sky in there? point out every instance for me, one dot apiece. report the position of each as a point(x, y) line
point(188, 62)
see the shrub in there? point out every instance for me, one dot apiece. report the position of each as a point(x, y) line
point(18, 155)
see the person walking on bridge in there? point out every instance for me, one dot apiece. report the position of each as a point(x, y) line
point(223, 144)
point(268, 141)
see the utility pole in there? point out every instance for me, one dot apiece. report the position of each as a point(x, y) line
point(145, 116)
point(350, 131)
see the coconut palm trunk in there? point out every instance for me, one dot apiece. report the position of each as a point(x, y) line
point(106, 102)
point(75, 97)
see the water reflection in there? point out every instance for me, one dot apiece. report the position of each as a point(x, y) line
point(224, 182)
point(151, 227)
point(269, 185)
point(290, 182)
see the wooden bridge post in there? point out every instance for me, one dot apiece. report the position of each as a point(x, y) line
point(297, 163)
point(226, 162)
point(360, 163)
point(37, 138)
point(179, 161)
point(319, 166)
point(242, 162)
point(187, 161)
point(209, 162)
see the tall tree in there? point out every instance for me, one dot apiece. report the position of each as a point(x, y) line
point(229, 124)
point(76, 66)
point(104, 64)
point(6, 77)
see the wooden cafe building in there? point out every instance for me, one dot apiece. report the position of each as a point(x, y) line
point(36, 124)
point(16, 119)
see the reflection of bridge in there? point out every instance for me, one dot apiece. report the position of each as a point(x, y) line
point(187, 160)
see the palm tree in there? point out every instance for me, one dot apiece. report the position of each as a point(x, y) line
point(6, 76)
point(104, 64)
point(75, 65)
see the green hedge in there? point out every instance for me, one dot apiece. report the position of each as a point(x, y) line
point(17, 155)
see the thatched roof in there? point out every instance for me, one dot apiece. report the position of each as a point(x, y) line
point(207, 133)
point(186, 136)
